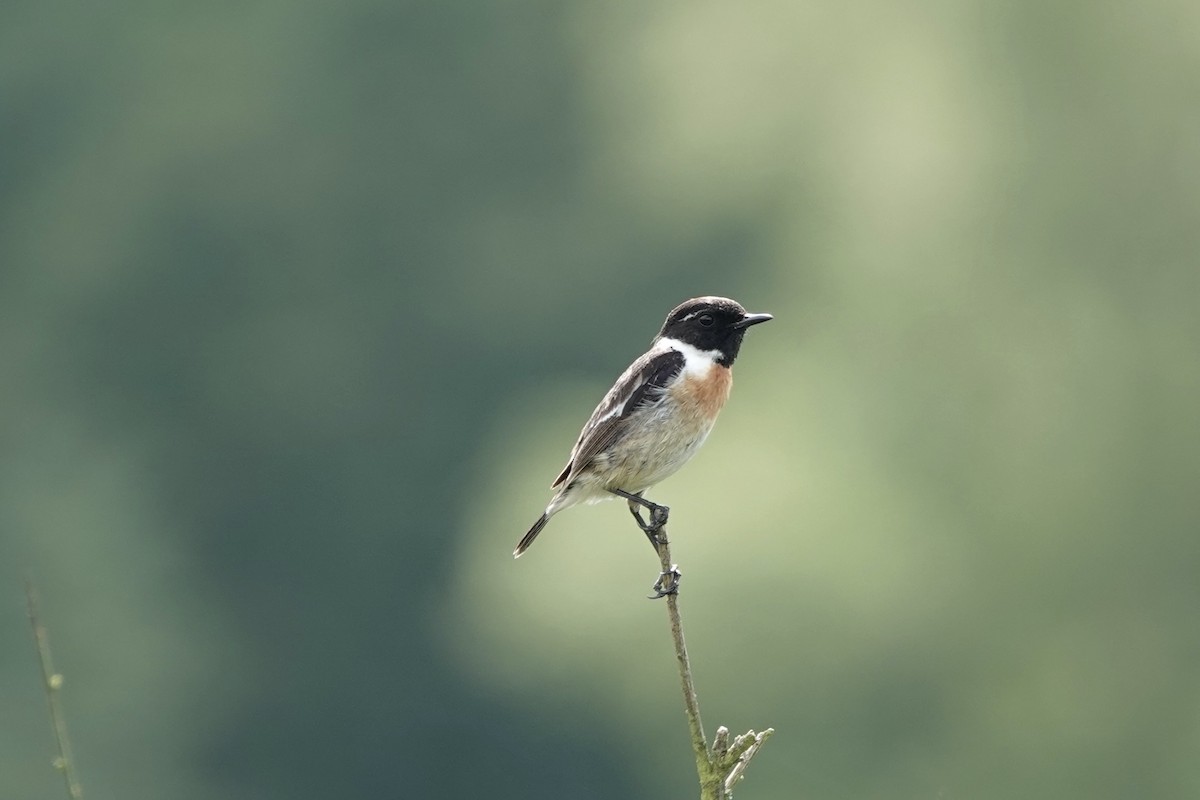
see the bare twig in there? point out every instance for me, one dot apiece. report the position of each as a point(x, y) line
point(52, 684)
point(746, 746)
point(720, 768)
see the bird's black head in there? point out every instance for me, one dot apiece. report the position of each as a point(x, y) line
point(711, 323)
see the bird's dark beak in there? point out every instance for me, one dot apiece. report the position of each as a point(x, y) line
point(752, 319)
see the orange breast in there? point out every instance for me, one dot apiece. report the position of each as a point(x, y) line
point(709, 393)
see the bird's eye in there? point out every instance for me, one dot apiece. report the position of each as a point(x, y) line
point(706, 320)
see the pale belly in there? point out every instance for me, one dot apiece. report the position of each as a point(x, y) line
point(664, 442)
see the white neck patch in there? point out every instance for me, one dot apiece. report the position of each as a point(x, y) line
point(695, 361)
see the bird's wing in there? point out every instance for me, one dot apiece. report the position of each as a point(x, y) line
point(640, 385)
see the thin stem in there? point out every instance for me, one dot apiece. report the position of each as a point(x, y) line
point(52, 683)
point(711, 785)
point(722, 766)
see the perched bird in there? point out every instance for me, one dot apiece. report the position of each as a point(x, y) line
point(657, 414)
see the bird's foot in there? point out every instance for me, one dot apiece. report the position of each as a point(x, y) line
point(658, 517)
point(667, 583)
point(658, 514)
point(654, 528)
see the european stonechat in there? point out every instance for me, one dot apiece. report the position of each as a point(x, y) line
point(657, 414)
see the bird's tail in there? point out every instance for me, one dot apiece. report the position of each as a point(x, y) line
point(528, 538)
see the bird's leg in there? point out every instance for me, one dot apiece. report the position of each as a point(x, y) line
point(658, 515)
point(668, 581)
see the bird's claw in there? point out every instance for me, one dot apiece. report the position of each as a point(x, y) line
point(667, 583)
point(658, 517)
point(654, 527)
point(656, 537)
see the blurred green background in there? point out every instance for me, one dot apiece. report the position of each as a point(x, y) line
point(302, 304)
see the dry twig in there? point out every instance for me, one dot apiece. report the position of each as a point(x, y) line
point(723, 765)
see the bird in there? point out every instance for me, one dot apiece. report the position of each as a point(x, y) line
point(657, 414)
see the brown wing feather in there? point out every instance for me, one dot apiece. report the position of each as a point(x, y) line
point(639, 385)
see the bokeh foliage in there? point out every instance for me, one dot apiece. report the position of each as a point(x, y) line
point(302, 304)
